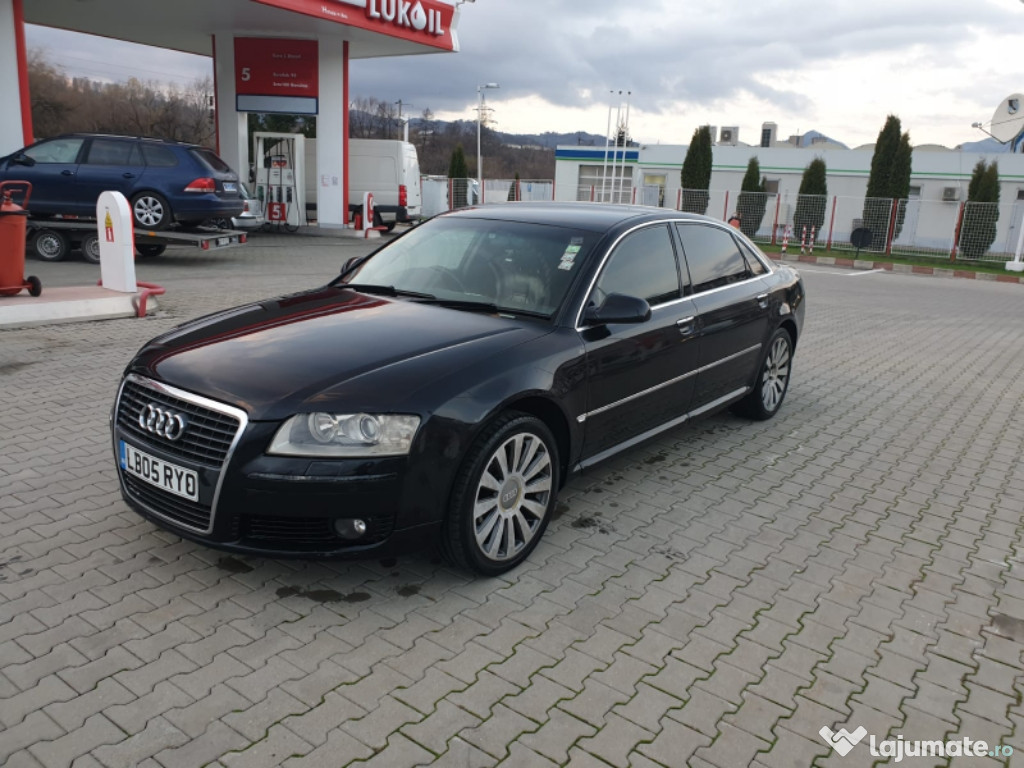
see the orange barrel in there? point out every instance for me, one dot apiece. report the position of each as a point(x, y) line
point(12, 237)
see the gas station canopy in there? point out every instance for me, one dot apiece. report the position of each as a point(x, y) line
point(371, 27)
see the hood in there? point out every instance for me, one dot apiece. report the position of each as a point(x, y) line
point(322, 347)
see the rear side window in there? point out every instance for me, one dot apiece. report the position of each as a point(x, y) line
point(159, 157)
point(712, 255)
point(55, 151)
point(210, 159)
point(113, 152)
point(756, 267)
point(642, 265)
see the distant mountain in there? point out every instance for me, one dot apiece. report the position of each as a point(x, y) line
point(808, 139)
point(551, 140)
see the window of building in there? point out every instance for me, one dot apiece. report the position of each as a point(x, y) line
point(771, 186)
point(593, 176)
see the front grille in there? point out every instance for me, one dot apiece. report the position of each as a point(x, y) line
point(174, 508)
point(206, 439)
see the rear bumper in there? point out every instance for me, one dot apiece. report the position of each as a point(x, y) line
point(201, 207)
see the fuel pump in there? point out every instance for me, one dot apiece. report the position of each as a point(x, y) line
point(280, 182)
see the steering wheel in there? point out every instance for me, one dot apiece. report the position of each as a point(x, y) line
point(451, 277)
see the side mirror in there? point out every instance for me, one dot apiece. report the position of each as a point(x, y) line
point(22, 159)
point(618, 308)
point(351, 263)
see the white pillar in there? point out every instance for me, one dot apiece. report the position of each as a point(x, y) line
point(332, 134)
point(232, 126)
point(13, 101)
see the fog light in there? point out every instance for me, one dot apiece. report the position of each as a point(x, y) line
point(350, 529)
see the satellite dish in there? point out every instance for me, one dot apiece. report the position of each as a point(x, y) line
point(1008, 120)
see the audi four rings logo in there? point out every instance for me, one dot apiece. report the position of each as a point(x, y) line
point(164, 423)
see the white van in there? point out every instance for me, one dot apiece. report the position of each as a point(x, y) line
point(391, 171)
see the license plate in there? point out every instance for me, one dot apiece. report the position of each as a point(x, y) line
point(230, 186)
point(163, 474)
point(223, 241)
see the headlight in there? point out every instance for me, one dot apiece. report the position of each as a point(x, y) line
point(345, 435)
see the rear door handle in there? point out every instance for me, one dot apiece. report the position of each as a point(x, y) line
point(687, 325)
point(128, 175)
point(67, 173)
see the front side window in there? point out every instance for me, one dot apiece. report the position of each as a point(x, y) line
point(643, 265)
point(62, 151)
point(712, 255)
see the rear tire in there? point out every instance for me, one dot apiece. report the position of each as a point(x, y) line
point(150, 251)
point(772, 382)
point(504, 495)
point(90, 247)
point(50, 245)
point(151, 211)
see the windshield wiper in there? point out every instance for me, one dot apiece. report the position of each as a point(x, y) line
point(482, 306)
point(386, 290)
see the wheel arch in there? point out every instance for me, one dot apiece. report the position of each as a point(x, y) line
point(789, 326)
point(552, 416)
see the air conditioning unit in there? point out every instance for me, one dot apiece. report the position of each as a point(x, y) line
point(950, 194)
point(729, 136)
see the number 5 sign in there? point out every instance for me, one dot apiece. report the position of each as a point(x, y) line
point(277, 75)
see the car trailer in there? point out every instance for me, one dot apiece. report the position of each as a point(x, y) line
point(52, 239)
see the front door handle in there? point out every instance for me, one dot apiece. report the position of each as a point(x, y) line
point(67, 173)
point(762, 299)
point(127, 175)
point(687, 326)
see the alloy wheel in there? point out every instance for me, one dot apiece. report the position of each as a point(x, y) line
point(512, 496)
point(776, 374)
point(149, 211)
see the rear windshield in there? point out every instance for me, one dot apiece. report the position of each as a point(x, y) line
point(210, 159)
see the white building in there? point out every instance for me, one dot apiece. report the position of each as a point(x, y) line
point(650, 175)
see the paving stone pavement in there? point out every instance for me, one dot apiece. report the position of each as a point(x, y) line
point(713, 598)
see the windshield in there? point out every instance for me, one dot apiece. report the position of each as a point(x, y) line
point(518, 267)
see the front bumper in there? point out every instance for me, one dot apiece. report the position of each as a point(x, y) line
point(272, 506)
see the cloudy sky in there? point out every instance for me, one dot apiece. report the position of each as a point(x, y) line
point(838, 68)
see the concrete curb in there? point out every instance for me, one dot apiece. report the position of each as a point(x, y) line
point(888, 266)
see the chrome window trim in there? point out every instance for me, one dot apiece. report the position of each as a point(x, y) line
point(582, 418)
point(769, 267)
point(604, 261)
point(213, 405)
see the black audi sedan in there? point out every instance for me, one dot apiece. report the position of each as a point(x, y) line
point(445, 386)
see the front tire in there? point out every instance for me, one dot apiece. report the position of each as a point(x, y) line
point(504, 495)
point(772, 382)
point(50, 245)
point(151, 211)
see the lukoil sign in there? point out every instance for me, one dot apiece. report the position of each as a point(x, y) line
point(427, 22)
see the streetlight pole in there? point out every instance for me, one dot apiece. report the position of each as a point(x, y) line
point(479, 123)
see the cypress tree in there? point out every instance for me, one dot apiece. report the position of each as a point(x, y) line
point(457, 165)
point(978, 230)
point(812, 199)
point(751, 203)
point(696, 174)
point(889, 180)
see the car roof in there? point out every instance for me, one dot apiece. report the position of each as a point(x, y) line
point(597, 217)
point(153, 139)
